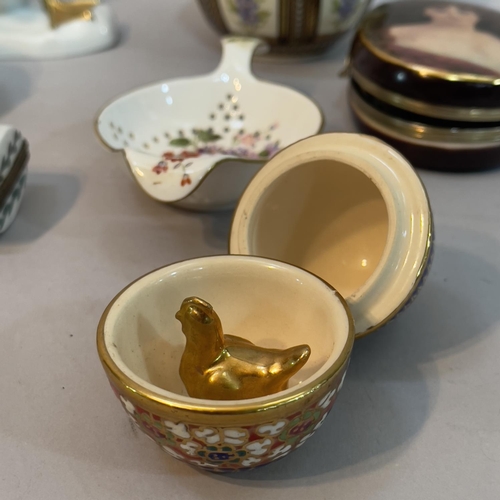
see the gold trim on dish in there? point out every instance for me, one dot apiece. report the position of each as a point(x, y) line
point(234, 410)
point(423, 108)
point(424, 71)
point(421, 131)
point(418, 280)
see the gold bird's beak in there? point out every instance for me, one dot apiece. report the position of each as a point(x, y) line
point(178, 315)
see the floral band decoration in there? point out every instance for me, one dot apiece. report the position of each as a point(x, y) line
point(250, 13)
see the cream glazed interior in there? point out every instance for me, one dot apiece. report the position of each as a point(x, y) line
point(145, 342)
point(348, 208)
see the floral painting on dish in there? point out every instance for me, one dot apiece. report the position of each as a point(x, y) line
point(244, 145)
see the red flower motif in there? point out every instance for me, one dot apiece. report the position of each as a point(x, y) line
point(159, 169)
point(152, 431)
point(300, 428)
point(190, 154)
point(169, 155)
point(185, 180)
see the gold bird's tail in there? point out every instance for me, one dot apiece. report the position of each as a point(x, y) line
point(293, 359)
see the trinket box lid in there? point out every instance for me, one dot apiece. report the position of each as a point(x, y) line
point(348, 208)
point(436, 59)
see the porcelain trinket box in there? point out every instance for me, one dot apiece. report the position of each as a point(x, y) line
point(14, 157)
point(346, 207)
point(141, 344)
point(425, 77)
point(197, 142)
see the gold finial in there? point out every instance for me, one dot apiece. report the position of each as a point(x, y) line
point(224, 367)
point(64, 12)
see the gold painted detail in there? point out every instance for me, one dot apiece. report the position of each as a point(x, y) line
point(63, 12)
point(421, 131)
point(225, 367)
point(424, 71)
point(422, 273)
point(284, 19)
point(311, 19)
point(423, 108)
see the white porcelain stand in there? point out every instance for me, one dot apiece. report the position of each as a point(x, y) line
point(26, 33)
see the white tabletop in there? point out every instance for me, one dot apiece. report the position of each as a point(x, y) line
point(419, 417)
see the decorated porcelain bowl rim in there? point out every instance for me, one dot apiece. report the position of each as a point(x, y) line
point(168, 399)
point(258, 43)
point(408, 248)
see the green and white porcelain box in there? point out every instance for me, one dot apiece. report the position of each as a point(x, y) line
point(14, 157)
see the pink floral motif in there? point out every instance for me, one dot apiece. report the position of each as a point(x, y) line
point(257, 146)
point(248, 140)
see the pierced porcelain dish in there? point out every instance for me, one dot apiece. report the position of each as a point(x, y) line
point(14, 157)
point(50, 29)
point(197, 142)
point(348, 208)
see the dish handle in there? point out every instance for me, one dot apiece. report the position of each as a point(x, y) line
point(237, 55)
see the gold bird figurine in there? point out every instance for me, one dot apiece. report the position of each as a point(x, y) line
point(225, 367)
point(63, 12)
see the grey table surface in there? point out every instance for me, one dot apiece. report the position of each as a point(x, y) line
point(419, 416)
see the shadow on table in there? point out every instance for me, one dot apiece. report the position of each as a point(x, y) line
point(387, 396)
point(216, 227)
point(48, 198)
point(15, 86)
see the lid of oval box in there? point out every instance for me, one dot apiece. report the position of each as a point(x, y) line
point(439, 59)
point(348, 208)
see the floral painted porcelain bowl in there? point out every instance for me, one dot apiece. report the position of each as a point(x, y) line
point(291, 27)
point(348, 208)
point(272, 304)
point(14, 156)
point(197, 142)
